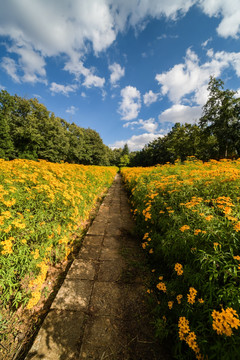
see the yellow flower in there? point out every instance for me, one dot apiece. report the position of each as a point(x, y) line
point(162, 286)
point(178, 268)
point(191, 296)
point(184, 228)
point(215, 245)
point(197, 231)
point(224, 321)
point(237, 226)
point(170, 304)
point(209, 217)
point(179, 298)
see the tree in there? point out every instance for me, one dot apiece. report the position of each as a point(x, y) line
point(7, 150)
point(221, 117)
point(125, 150)
point(124, 160)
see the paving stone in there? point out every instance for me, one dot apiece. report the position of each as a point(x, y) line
point(73, 295)
point(113, 242)
point(110, 270)
point(89, 252)
point(103, 339)
point(106, 299)
point(109, 254)
point(113, 229)
point(82, 270)
point(97, 229)
point(58, 337)
point(94, 240)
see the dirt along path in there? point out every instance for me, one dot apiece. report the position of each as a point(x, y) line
point(99, 312)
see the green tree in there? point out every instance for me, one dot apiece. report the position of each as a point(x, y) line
point(124, 160)
point(125, 150)
point(7, 150)
point(221, 118)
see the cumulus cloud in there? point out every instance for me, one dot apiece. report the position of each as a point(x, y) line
point(116, 73)
point(181, 113)
point(11, 68)
point(42, 29)
point(62, 89)
point(191, 78)
point(72, 110)
point(148, 125)
point(136, 142)
point(229, 12)
point(130, 104)
point(150, 97)
point(75, 66)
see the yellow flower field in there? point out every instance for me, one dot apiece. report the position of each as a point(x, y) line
point(42, 205)
point(188, 216)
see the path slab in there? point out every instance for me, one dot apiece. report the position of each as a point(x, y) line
point(73, 295)
point(59, 336)
point(82, 270)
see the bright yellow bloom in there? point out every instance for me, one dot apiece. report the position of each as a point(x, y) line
point(178, 268)
point(170, 304)
point(179, 298)
point(162, 286)
point(184, 228)
point(224, 321)
point(191, 296)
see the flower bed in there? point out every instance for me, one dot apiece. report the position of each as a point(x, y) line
point(188, 216)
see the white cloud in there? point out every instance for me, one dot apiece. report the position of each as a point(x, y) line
point(148, 125)
point(83, 94)
point(31, 63)
point(62, 89)
point(191, 78)
point(150, 97)
point(230, 13)
point(116, 73)
point(136, 142)
point(72, 110)
point(2, 87)
point(11, 68)
point(181, 113)
point(135, 12)
point(130, 104)
point(75, 66)
point(205, 43)
point(237, 94)
point(165, 36)
point(40, 29)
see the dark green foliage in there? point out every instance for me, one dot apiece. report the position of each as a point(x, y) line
point(28, 130)
point(216, 136)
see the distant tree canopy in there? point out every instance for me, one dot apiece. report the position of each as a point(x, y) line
point(216, 136)
point(28, 130)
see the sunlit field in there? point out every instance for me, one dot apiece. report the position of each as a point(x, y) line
point(42, 207)
point(188, 216)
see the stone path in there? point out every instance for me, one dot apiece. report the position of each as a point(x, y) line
point(99, 312)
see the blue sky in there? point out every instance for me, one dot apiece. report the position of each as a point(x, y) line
point(129, 69)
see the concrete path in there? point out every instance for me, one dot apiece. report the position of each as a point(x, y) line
point(99, 312)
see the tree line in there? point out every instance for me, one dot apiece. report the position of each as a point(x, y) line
point(215, 136)
point(29, 131)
